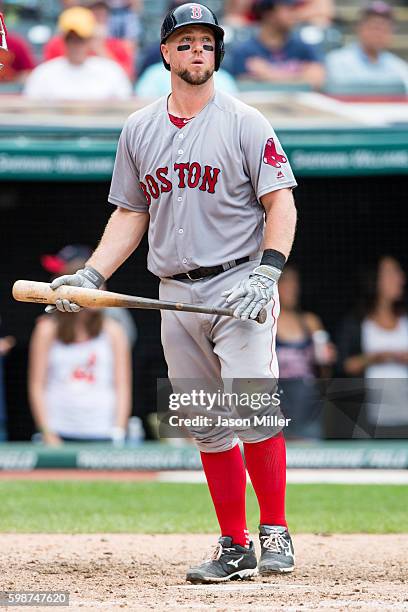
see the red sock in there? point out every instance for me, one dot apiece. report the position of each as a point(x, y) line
point(226, 478)
point(266, 465)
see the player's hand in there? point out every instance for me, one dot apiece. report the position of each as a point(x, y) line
point(254, 292)
point(89, 278)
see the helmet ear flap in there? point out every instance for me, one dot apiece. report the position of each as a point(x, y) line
point(220, 53)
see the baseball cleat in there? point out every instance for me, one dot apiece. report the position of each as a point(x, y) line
point(277, 553)
point(228, 562)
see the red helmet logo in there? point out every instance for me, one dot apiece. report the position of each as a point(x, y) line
point(271, 156)
point(196, 11)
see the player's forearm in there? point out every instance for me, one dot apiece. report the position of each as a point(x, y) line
point(281, 218)
point(121, 237)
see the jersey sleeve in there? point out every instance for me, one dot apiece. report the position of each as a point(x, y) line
point(264, 159)
point(125, 190)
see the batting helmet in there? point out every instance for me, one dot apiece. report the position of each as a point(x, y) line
point(193, 14)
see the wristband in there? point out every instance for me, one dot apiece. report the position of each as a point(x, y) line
point(273, 258)
point(93, 275)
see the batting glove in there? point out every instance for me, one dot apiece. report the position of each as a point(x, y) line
point(255, 292)
point(89, 278)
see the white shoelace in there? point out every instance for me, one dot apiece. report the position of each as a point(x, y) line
point(217, 552)
point(275, 542)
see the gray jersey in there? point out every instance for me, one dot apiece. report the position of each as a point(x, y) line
point(201, 184)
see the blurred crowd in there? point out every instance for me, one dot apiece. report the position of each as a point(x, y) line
point(99, 49)
point(80, 365)
point(370, 348)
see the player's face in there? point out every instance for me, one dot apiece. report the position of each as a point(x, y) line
point(190, 53)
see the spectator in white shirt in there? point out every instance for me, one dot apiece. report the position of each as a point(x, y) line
point(76, 76)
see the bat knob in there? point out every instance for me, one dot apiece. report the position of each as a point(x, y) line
point(262, 314)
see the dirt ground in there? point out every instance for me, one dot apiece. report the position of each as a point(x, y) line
point(146, 572)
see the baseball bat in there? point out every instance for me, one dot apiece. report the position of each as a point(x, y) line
point(41, 293)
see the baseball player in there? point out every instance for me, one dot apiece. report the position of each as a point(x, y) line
point(206, 175)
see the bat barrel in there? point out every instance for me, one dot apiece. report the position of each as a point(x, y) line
point(41, 293)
